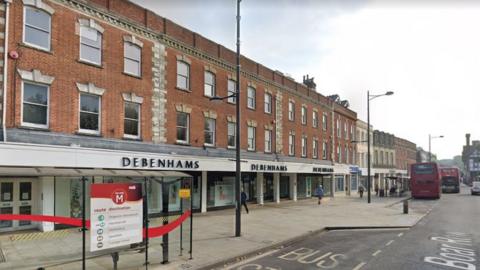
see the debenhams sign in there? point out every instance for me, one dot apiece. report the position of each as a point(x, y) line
point(160, 163)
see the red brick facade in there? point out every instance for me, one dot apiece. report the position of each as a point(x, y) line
point(405, 152)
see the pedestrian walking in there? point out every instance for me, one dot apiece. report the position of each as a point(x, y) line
point(244, 198)
point(360, 190)
point(376, 189)
point(319, 193)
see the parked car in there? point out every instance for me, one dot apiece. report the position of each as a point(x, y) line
point(475, 188)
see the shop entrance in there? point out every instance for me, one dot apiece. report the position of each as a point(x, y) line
point(268, 187)
point(284, 186)
point(16, 197)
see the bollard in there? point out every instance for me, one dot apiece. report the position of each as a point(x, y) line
point(115, 258)
point(405, 206)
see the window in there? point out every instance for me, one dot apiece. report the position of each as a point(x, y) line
point(376, 157)
point(315, 149)
point(231, 126)
point(304, 115)
point(183, 127)
point(268, 141)
point(132, 59)
point(268, 103)
point(339, 154)
point(346, 155)
point(89, 113)
point(324, 121)
point(324, 150)
point(183, 75)
point(352, 133)
point(291, 145)
point(209, 131)
point(251, 97)
point(37, 28)
point(339, 129)
point(304, 146)
point(315, 119)
point(381, 157)
point(209, 89)
point(35, 105)
point(345, 130)
point(90, 45)
point(231, 91)
point(251, 138)
point(291, 111)
point(131, 122)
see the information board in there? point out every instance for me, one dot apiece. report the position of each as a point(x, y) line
point(116, 215)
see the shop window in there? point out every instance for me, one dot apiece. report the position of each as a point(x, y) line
point(251, 138)
point(209, 86)
point(231, 85)
point(231, 134)
point(35, 105)
point(68, 196)
point(268, 141)
point(268, 103)
point(132, 59)
point(340, 185)
point(183, 75)
point(251, 96)
point(90, 45)
point(183, 127)
point(221, 191)
point(37, 28)
point(209, 131)
point(131, 122)
point(90, 113)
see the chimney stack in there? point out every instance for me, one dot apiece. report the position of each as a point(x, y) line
point(468, 139)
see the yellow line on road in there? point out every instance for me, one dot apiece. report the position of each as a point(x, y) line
point(360, 265)
point(376, 253)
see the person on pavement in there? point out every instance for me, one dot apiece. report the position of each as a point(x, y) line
point(376, 189)
point(319, 193)
point(360, 190)
point(244, 200)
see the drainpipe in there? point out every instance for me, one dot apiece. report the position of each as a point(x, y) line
point(5, 68)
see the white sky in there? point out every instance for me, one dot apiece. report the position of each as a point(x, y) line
point(427, 52)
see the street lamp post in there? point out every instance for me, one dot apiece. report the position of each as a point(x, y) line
point(236, 95)
point(370, 97)
point(430, 137)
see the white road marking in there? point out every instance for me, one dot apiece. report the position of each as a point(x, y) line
point(360, 265)
point(376, 253)
point(400, 234)
point(389, 243)
point(252, 259)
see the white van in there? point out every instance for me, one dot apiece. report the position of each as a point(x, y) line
point(475, 188)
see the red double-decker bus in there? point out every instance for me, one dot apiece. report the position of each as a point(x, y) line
point(425, 180)
point(450, 179)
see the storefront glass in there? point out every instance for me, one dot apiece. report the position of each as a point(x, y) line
point(284, 186)
point(249, 185)
point(354, 182)
point(339, 183)
point(68, 197)
point(327, 185)
point(221, 189)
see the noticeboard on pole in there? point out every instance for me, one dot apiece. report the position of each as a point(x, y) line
point(116, 215)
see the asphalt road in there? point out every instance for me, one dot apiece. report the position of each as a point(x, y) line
point(447, 238)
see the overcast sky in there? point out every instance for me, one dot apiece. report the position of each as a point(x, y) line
point(427, 52)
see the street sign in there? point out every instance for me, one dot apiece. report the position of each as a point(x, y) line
point(116, 215)
point(184, 193)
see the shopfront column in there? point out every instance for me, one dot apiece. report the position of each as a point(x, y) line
point(204, 191)
point(276, 187)
point(293, 187)
point(260, 188)
point(47, 202)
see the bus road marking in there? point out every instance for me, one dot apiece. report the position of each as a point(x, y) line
point(389, 243)
point(376, 253)
point(400, 234)
point(360, 265)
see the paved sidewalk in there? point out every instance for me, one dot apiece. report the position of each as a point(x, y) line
point(265, 226)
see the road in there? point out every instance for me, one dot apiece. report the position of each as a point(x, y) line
point(447, 238)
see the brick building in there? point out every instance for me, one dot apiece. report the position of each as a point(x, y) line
point(405, 154)
point(471, 159)
point(108, 90)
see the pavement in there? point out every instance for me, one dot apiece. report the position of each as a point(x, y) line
point(446, 238)
point(267, 226)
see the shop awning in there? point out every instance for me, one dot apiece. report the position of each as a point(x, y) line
point(52, 171)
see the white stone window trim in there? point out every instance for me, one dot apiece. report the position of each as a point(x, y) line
point(90, 88)
point(214, 131)
point(251, 147)
point(131, 97)
point(92, 24)
point(134, 40)
point(270, 145)
point(35, 76)
point(33, 125)
point(41, 7)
